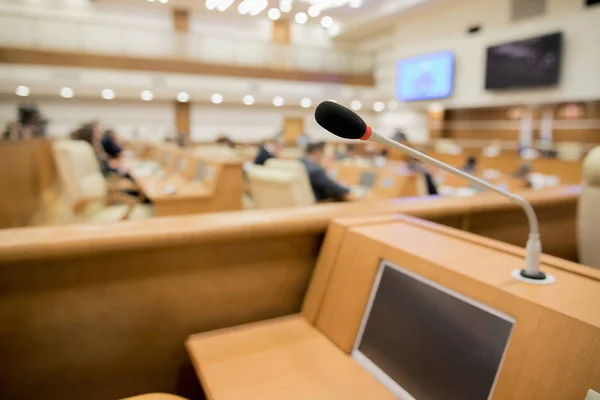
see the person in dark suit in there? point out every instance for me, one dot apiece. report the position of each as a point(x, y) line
point(110, 145)
point(322, 185)
point(269, 149)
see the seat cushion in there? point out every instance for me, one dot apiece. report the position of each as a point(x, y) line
point(116, 212)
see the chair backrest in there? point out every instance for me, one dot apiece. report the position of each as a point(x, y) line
point(298, 168)
point(79, 170)
point(569, 151)
point(278, 188)
point(588, 213)
point(215, 152)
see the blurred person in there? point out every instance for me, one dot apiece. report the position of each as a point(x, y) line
point(30, 124)
point(348, 153)
point(110, 144)
point(324, 188)
point(416, 166)
point(470, 166)
point(226, 141)
point(400, 136)
point(268, 149)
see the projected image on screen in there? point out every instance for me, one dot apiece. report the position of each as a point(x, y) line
point(432, 343)
point(425, 77)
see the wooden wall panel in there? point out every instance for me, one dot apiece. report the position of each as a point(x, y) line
point(181, 20)
point(503, 123)
point(293, 128)
point(281, 31)
point(182, 117)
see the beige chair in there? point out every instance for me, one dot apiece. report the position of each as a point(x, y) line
point(588, 213)
point(296, 167)
point(86, 190)
point(569, 151)
point(278, 188)
point(215, 152)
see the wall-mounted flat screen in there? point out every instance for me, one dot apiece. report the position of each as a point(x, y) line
point(426, 77)
point(425, 341)
point(526, 63)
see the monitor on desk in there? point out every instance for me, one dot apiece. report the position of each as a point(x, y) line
point(425, 341)
point(200, 167)
point(367, 179)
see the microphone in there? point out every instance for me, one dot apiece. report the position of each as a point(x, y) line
point(346, 124)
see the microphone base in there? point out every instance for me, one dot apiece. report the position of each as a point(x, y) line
point(538, 278)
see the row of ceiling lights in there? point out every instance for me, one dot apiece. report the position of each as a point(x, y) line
point(216, 98)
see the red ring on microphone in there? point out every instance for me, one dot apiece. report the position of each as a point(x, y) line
point(367, 133)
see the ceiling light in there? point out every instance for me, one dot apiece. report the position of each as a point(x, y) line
point(355, 105)
point(223, 5)
point(274, 14)
point(392, 104)
point(244, 7)
point(150, 1)
point(66, 92)
point(314, 11)
point(326, 22)
point(108, 94)
point(164, 1)
point(146, 95)
point(285, 6)
point(301, 18)
point(22, 91)
point(211, 4)
point(305, 102)
point(248, 99)
point(183, 97)
point(334, 30)
point(378, 106)
point(278, 101)
point(355, 3)
point(216, 98)
point(257, 6)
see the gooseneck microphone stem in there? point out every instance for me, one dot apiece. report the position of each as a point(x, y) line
point(534, 245)
point(529, 211)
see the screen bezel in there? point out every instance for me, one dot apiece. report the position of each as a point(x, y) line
point(446, 95)
point(379, 374)
point(559, 68)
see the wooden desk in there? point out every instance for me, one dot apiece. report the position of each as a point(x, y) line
point(557, 326)
point(285, 358)
point(219, 190)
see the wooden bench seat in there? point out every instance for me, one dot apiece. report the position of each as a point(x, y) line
point(283, 358)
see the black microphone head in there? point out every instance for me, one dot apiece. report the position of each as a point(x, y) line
point(340, 120)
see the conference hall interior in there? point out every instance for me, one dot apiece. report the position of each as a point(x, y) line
point(300, 199)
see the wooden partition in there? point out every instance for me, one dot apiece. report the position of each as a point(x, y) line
point(27, 179)
point(103, 313)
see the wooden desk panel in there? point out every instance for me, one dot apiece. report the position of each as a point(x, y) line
point(285, 358)
point(557, 326)
point(28, 181)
